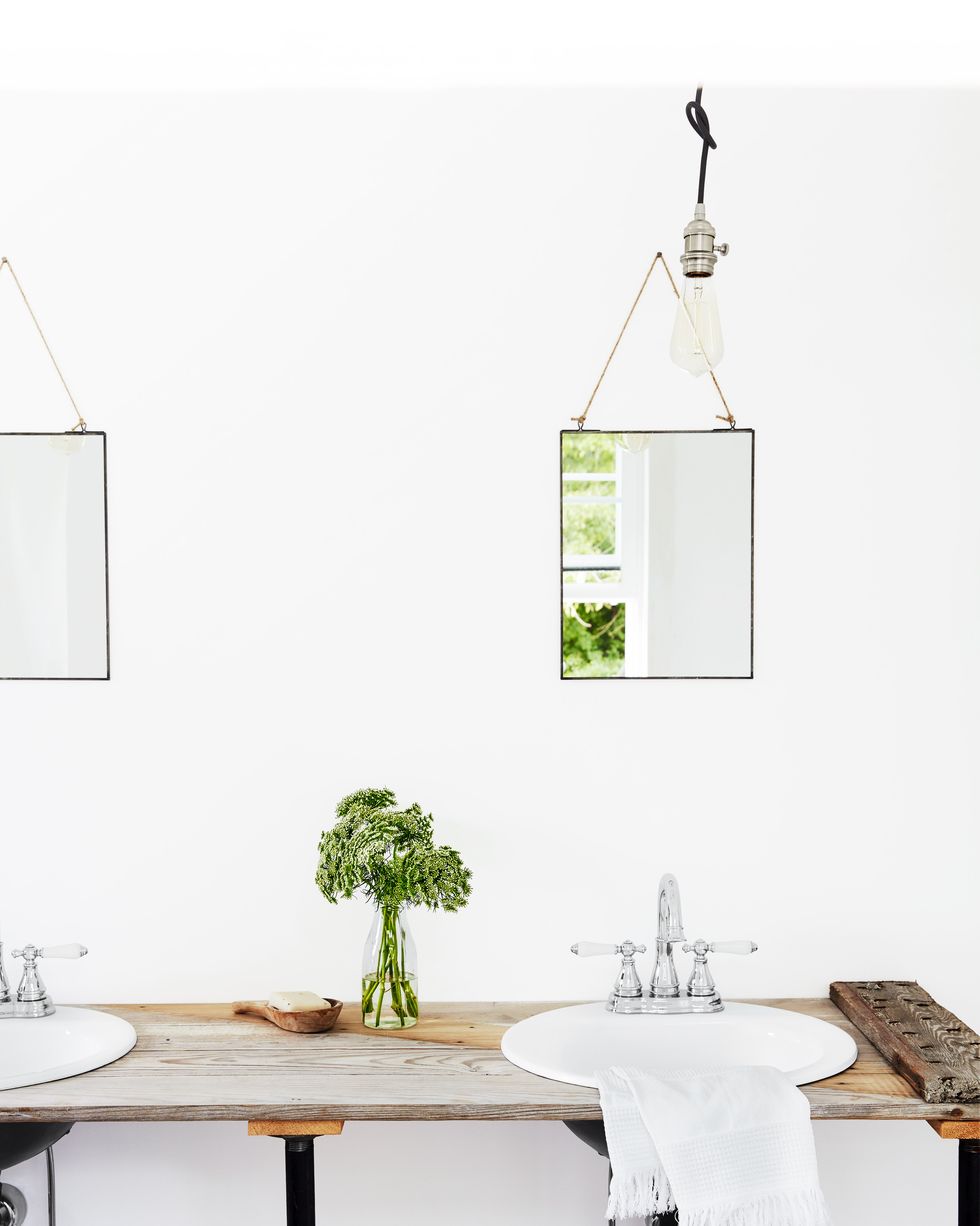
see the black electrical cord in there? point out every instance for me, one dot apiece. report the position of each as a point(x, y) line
point(697, 117)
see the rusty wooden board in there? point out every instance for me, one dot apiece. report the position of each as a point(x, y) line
point(936, 1053)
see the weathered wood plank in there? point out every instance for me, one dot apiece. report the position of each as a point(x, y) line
point(201, 1062)
point(470, 1024)
point(933, 1050)
point(457, 1032)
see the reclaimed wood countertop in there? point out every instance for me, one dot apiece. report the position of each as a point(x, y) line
point(202, 1062)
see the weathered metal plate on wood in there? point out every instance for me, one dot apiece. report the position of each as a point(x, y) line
point(937, 1054)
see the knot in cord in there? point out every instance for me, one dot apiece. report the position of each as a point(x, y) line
point(697, 117)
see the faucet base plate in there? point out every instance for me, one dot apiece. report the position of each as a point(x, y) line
point(26, 1008)
point(665, 1004)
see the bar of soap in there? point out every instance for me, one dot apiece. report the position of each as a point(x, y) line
point(297, 1002)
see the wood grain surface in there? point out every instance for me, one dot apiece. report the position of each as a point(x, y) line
point(202, 1062)
point(473, 1032)
point(933, 1050)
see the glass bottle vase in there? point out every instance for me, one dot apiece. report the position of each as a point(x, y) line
point(389, 973)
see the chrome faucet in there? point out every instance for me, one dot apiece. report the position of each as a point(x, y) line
point(32, 999)
point(664, 984)
point(664, 995)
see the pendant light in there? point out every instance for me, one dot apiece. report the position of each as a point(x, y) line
point(696, 343)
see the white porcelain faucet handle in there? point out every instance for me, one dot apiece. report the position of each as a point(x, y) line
point(592, 949)
point(74, 950)
point(31, 952)
point(721, 947)
point(32, 996)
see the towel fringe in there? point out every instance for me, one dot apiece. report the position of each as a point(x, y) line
point(805, 1207)
point(639, 1195)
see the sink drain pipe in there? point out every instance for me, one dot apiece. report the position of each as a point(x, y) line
point(13, 1202)
point(13, 1205)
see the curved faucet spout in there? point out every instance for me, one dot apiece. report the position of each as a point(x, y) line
point(670, 924)
point(670, 930)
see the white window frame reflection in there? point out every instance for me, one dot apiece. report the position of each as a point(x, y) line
point(582, 562)
point(630, 500)
point(631, 482)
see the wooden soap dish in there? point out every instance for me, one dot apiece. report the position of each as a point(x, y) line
point(309, 1021)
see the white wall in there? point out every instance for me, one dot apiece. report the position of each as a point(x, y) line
point(332, 337)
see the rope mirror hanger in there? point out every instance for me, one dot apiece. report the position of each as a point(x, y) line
point(657, 259)
point(80, 425)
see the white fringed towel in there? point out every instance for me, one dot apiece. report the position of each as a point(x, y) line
point(728, 1147)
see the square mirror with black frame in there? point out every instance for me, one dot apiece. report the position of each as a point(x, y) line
point(657, 554)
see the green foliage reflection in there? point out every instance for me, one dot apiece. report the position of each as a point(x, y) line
point(588, 453)
point(593, 640)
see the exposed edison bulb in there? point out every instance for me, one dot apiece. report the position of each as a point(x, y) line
point(695, 347)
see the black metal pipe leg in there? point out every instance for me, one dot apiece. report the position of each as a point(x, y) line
point(300, 1182)
point(969, 1214)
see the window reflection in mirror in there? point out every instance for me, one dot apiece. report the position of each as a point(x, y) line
point(593, 613)
point(656, 553)
point(53, 588)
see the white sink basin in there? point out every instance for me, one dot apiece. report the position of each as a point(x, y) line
point(70, 1041)
point(572, 1044)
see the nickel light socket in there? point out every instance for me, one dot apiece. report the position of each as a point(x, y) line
point(700, 249)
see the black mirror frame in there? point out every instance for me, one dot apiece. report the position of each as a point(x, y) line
point(561, 538)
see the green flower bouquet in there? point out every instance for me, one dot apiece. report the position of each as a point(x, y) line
point(388, 855)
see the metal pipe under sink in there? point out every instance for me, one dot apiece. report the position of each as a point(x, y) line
point(593, 1133)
